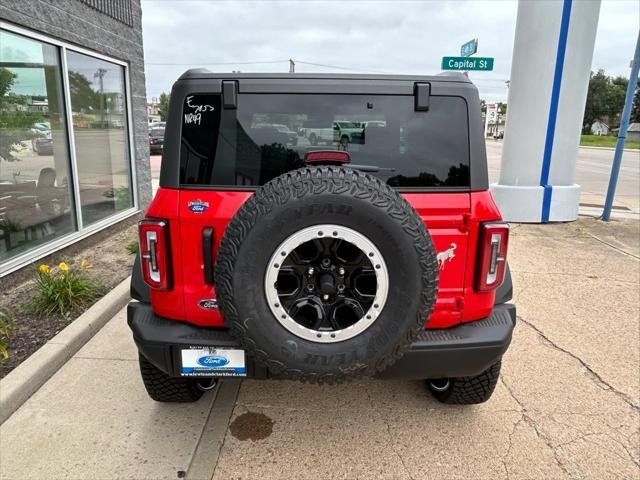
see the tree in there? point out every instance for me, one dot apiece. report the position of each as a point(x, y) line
point(605, 98)
point(635, 109)
point(483, 106)
point(163, 109)
point(83, 96)
point(15, 122)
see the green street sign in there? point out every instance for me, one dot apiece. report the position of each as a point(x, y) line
point(467, 63)
point(469, 48)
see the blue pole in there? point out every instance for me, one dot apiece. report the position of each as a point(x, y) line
point(622, 133)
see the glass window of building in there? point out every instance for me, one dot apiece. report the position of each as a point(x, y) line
point(36, 203)
point(98, 105)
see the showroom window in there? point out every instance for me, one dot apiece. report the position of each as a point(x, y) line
point(100, 136)
point(65, 153)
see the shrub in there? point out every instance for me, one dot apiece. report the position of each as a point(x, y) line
point(7, 327)
point(63, 289)
point(133, 247)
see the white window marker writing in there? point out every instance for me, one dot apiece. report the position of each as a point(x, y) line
point(190, 118)
point(199, 108)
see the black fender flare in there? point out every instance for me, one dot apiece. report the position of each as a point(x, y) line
point(139, 290)
point(504, 293)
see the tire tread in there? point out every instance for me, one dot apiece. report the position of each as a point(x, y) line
point(163, 388)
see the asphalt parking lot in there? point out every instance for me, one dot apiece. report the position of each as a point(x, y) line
point(567, 405)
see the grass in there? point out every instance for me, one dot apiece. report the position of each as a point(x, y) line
point(63, 289)
point(7, 327)
point(605, 141)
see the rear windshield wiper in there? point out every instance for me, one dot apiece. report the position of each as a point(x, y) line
point(369, 168)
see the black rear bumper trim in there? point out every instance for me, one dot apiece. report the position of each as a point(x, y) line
point(464, 350)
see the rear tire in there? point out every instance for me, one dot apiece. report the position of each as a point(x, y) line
point(163, 388)
point(466, 390)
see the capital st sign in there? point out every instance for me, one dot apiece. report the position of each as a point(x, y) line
point(467, 63)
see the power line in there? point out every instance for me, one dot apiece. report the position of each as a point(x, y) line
point(214, 63)
point(337, 67)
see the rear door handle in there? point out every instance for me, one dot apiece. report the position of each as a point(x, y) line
point(207, 254)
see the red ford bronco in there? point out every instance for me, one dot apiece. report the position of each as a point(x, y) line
point(264, 257)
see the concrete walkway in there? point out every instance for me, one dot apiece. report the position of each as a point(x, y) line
point(567, 405)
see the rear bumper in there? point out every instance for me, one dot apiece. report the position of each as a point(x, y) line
point(463, 350)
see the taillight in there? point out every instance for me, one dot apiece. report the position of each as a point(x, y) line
point(155, 253)
point(492, 256)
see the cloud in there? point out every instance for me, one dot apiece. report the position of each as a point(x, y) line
point(375, 36)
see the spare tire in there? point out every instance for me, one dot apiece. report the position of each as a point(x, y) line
point(326, 274)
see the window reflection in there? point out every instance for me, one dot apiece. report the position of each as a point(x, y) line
point(270, 134)
point(35, 196)
point(99, 125)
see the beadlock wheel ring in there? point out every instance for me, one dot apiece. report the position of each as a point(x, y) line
point(375, 304)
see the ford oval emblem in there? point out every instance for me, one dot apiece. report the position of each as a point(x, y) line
point(213, 361)
point(197, 206)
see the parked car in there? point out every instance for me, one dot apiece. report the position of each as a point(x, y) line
point(323, 266)
point(347, 132)
point(156, 140)
point(41, 143)
point(319, 135)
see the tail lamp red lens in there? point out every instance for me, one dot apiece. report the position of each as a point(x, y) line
point(155, 253)
point(492, 256)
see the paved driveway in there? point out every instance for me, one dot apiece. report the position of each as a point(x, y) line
point(567, 405)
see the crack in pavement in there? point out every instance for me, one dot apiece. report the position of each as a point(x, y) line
point(597, 379)
point(536, 428)
point(618, 249)
point(393, 446)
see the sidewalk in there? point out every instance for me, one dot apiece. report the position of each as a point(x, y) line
point(567, 405)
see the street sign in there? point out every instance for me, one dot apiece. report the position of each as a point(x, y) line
point(469, 48)
point(467, 63)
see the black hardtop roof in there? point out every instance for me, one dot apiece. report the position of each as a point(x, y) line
point(203, 73)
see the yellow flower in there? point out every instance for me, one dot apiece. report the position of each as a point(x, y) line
point(44, 268)
point(63, 266)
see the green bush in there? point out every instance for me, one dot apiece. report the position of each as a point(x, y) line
point(7, 327)
point(63, 289)
point(133, 247)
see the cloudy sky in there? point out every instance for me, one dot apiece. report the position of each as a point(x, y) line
point(357, 36)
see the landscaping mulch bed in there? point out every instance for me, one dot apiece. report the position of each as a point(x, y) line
point(110, 264)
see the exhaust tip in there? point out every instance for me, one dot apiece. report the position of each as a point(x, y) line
point(439, 384)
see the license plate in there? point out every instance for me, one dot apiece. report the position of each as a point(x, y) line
point(213, 362)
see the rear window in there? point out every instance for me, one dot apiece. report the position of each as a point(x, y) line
point(269, 134)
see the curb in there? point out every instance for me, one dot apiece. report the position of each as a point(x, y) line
point(24, 380)
point(611, 149)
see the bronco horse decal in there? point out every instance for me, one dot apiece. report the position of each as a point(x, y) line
point(446, 255)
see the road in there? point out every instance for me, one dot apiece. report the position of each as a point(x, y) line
point(567, 405)
point(593, 168)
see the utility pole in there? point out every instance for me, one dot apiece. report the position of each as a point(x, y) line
point(292, 66)
point(622, 133)
point(100, 75)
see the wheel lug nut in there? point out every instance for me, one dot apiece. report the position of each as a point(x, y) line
point(325, 297)
point(311, 271)
point(341, 271)
point(341, 288)
point(310, 287)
